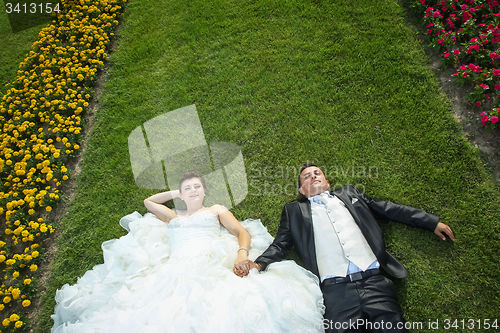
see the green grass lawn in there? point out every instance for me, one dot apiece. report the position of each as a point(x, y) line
point(344, 85)
point(14, 48)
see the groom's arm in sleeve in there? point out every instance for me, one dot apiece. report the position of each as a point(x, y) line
point(279, 248)
point(405, 214)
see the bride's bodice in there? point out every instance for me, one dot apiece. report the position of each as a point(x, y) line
point(192, 235)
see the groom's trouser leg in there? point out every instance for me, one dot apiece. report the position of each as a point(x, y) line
point(343, 308)
point(368, 305)
point(380, 305)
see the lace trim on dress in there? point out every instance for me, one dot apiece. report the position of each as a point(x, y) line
point(184, 221)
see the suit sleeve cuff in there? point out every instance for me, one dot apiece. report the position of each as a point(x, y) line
point(262, 265)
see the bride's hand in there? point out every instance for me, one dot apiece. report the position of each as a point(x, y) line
point(241, 267)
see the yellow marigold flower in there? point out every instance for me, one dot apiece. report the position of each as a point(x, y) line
point(10, 262)
point(33, 268)
point(14, 317)
point(15, 275)
point(2, 307)
point(16, 293)
point(35, 254)
point(48, 208)
point(2, 258)
point(26, 303)
point(6, 322)
point(27, 281)
point(7, 299)
point(18, 324)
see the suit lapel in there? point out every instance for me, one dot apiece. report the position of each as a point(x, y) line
point(305, 209)
point(347, 203)
point(363, 226)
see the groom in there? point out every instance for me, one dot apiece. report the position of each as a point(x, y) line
point(338, 239)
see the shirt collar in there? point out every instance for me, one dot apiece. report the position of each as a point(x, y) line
point(315, 198)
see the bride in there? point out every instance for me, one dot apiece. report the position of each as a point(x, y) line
point(180, 271)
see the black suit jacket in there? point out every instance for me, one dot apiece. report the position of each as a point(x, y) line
point(296, 229)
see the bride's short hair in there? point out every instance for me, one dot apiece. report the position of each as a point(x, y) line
point(189, 175)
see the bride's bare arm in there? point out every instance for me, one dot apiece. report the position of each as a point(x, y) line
point(154, 205)
point(234, 227)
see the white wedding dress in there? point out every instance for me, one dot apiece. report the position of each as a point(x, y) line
point(178, 277)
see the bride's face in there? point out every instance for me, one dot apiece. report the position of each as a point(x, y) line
point(192, 191)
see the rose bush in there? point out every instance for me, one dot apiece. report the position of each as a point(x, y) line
point(467, 33)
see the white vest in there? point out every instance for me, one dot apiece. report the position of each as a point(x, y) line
point(338, 239)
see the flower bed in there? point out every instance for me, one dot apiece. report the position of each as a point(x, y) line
point(467, 33)
point(41, 130)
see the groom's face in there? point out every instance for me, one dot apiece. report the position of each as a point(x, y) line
point(313, 182)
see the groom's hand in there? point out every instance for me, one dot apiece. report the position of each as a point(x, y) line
point(245, 268)
point(442, 230)
point(252, 265)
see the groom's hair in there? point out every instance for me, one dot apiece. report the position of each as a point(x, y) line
point(302, 168)
point(189, 175)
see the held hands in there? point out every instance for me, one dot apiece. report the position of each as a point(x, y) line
point(241, 267)
point(443, 228)
point(247, 265)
